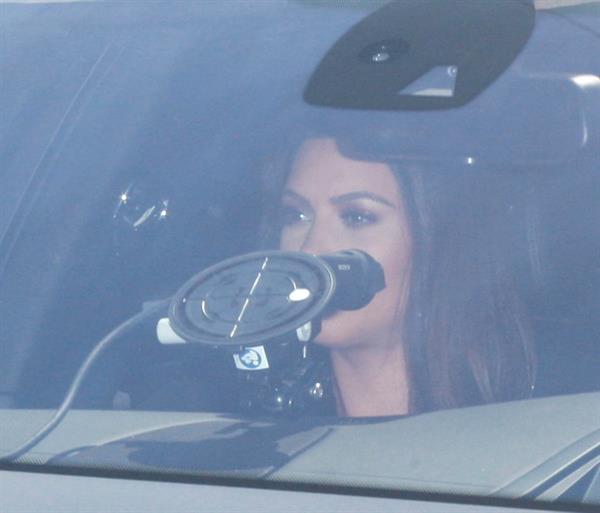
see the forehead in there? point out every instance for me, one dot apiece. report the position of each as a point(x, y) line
point(321, 170)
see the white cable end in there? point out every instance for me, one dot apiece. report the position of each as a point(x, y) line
point(165, 333)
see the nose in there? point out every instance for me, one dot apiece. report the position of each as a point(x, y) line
point(319, 239)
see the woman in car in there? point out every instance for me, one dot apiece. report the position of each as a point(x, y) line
point(449, 329)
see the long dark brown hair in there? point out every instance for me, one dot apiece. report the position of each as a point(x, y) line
point(466, 333)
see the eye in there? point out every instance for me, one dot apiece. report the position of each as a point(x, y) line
point(292, 215)
point(357, 218)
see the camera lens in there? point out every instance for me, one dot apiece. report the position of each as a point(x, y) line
point(384, 51)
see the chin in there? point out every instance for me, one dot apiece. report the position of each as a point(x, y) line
point(338, 331)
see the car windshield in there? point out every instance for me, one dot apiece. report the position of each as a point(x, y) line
point(350, 244)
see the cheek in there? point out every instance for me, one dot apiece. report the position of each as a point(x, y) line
point(370, 325)
point(293, 238)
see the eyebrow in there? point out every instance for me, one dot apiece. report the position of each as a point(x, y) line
point(356, 195)
point(296, 196)
point(345, 198)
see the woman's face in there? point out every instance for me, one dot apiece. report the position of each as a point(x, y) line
point(332, 203)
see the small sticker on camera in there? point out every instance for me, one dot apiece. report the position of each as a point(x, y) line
point(251, 359)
